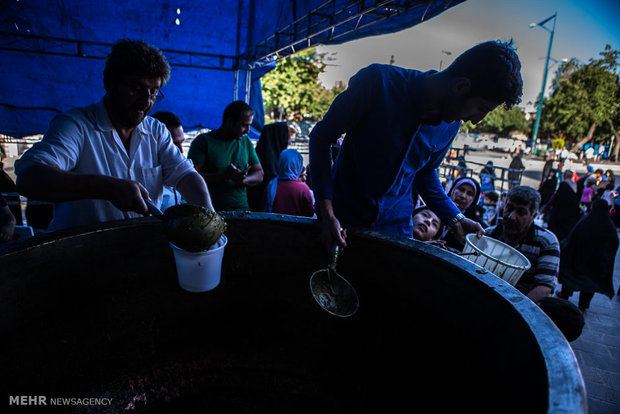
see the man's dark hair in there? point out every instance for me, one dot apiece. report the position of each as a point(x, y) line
point(598, 171)
point(566, 316)
point(494, 70)
point(522, 194)
point(135, 57)
point(236, 110)
point(168, 118)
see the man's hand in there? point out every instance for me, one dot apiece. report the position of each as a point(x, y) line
point(438, 243)
point(332, 231)
point(127, 195)
point(539, 292)
point(253, 175)
point(235, 174)
point(466, 226)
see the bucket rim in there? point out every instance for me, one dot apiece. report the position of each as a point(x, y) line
point(509, 265)
point(218, 245)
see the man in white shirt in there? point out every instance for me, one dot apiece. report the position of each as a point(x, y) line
point(99, 163)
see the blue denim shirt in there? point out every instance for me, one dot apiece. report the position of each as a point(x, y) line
point(386, 152)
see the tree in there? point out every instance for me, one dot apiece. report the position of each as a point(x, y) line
point(584, 97)
point(502, 122)
point(294, 87)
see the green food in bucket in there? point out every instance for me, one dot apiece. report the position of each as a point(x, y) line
point(193, 228)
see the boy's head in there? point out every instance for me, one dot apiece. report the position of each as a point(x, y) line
point(426, 224)
point(491, 198)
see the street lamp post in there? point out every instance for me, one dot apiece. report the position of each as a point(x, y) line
point(544, 84)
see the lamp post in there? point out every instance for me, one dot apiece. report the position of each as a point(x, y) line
point(544, 84)
point(445, 52)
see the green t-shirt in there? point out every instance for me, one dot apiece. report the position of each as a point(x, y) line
point(214, 154)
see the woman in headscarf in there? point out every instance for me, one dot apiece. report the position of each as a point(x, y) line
point(516, 168)
point(465, 193)
point(548, 187)
point(564, 208)
point(285, 194)
point(588, 256)
point(546, 168)
point(546, 190)
point(273, 139)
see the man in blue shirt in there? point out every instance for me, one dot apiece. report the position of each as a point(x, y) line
point(399, 124)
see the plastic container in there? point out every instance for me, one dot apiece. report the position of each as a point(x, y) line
point(498, 258)
point(200, 271)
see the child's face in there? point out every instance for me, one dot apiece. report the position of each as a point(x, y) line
point(488, 201)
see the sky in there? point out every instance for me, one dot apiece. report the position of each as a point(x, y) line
point(582, 30)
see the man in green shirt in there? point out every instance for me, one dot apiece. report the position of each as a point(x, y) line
point(226, 159)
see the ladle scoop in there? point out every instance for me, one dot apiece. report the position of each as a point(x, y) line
point(190, 227)
point(333, 292)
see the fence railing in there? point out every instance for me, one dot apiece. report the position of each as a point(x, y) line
point(505, 178)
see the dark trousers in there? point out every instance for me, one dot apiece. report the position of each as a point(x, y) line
point(584, 297)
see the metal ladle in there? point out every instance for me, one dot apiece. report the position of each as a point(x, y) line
point(333, 292)
point(156, 212)
point(190, 227)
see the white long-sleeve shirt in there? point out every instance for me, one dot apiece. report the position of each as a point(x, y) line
point(84, 140)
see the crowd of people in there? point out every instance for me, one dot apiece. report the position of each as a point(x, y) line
point(373, 163)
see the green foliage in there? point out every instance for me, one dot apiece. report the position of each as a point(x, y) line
point(502, 122)
point(583, 95)
point(294, 86)
point(467, 126)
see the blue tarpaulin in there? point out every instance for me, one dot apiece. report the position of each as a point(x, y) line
point(52, 52)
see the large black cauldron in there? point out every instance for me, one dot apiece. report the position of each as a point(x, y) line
point(97, 312)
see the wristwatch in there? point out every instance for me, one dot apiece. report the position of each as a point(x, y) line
point(455, 219)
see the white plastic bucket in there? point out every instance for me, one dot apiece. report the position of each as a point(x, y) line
point(498, 258)
point(200, 271)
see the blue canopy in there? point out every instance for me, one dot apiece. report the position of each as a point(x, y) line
point(52, 52)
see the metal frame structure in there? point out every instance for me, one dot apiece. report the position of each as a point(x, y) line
point(325, 24)
point(47, 45)
point(299, 25)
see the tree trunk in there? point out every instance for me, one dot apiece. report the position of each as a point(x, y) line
point(575, 147)
point(616, 149)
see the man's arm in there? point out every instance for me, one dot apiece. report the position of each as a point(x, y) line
point(547, 267)
point(429, 187)
point(254, 171)
point(346, 112)
point(254, 176)
point(230, 173)
point(331, 230)
point(194, 190)
point(539, 292)
point(46, 183)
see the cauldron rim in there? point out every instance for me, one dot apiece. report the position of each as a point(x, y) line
point(566, 391)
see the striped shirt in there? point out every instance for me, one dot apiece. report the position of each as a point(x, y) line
point(542, 249)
